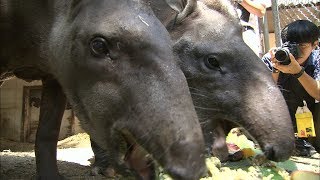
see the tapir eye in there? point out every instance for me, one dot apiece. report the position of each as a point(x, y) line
point(212, 62)
point(99, 47)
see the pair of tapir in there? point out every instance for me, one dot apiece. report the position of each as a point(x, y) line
point(228, 83)
point(127, 78)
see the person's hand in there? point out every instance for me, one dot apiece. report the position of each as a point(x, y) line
point(272, 53)
point(273, 60)
point(292, 68)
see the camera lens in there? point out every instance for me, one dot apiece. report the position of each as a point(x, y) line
point(282, 55)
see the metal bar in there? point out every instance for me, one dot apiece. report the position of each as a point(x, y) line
point(266, 34)
point(276, 22)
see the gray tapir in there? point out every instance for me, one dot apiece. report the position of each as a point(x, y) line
point(227, 81)
point(113, 61)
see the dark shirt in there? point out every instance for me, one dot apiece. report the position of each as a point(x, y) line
point(293, 92)
point(244, 15)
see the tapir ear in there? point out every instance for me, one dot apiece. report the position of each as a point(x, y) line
point(177, 5)
point(74, 3)
point(182, 7)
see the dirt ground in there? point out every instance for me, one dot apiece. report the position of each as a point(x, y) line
point(17, 160)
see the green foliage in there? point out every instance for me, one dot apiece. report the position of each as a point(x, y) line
point(287, 165)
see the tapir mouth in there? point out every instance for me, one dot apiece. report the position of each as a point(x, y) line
point(274, 149)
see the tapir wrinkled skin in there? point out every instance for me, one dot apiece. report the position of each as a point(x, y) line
point(113, 61)
point(227, 81)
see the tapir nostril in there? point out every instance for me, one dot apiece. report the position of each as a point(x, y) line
point(277, 153)
point(269, 152)
point(177, 174)
point(186, 164)
point(181, 173)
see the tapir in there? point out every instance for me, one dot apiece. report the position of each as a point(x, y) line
point(229, 84)
point(113, 61)
point(226, 80)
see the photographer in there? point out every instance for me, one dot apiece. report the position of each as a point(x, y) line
point(297, 73)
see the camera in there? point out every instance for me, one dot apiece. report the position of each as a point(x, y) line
point(282, 53)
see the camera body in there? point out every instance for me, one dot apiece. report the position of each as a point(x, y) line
point(282, 53)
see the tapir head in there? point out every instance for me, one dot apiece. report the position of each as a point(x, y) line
point(227, 81)
point(115, 62)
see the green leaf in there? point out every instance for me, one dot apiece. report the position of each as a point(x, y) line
point(287, 165)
